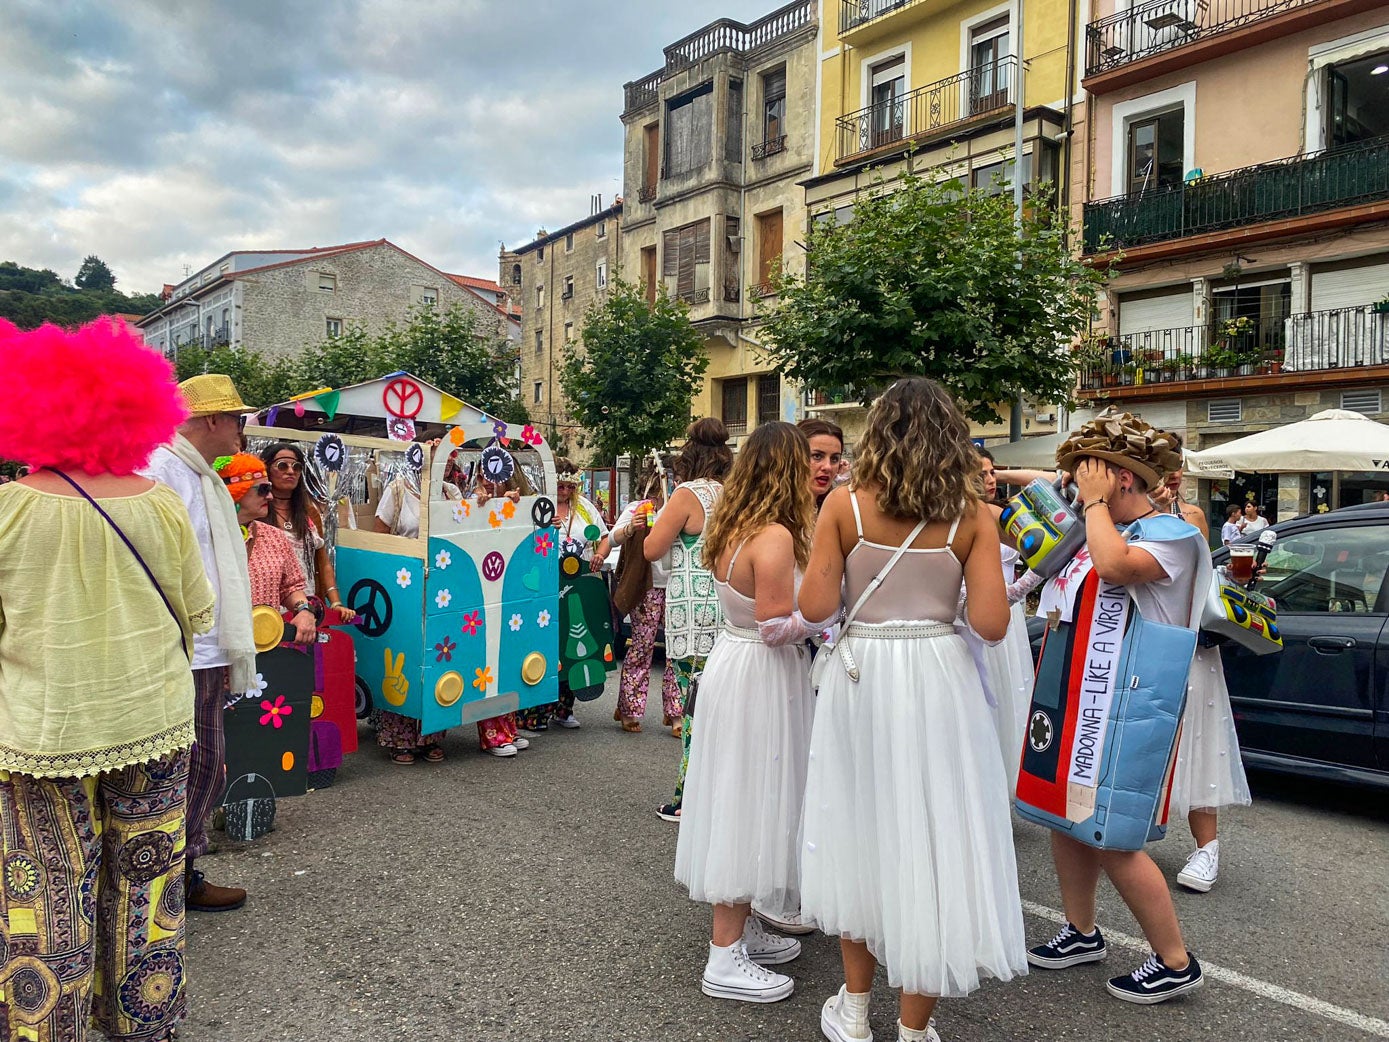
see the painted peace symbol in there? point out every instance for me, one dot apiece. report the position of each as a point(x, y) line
point(493, 565)
point(414, 456)
point(497, 464)
point(543, 512)
point(403, 398)
point(369, 599)
point(330, 452)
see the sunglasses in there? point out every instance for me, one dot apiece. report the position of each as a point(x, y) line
point(264, 489)
point(286, 466)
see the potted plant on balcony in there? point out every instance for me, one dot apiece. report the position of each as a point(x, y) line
point(1220, 361)
point(1381, 306)
point(1091, 358)
point(1273, 359)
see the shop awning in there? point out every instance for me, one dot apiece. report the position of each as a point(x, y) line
point(1334, 440)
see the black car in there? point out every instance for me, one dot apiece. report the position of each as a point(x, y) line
point(1320, 707)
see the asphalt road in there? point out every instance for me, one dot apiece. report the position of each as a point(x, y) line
point(532, 899)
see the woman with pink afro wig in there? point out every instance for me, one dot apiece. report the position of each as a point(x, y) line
point(119, 395)
point(102, 587)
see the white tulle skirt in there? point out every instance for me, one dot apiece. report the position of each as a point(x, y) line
point(1009, 665)
point(908, 843)
point(1209, 772)
point(740, 816)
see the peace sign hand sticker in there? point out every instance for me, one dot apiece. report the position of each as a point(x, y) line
point(394, 686)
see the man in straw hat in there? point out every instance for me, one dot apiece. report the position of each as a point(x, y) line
point(224, 658)
point(1117, 460)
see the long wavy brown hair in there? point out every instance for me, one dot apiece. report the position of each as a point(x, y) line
point(769, 485)
point(706, 453)
point(916, 454)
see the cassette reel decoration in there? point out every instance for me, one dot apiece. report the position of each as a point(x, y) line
point(330, 453)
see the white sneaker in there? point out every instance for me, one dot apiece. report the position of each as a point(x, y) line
point(790, 923)
point(731, 974)
point(565, 721)
point(520, 742)
point(1202, 867)
point(930, 1035)
point(503, 750)
point(526, 732)
point(765, 948)
point(839, 1023)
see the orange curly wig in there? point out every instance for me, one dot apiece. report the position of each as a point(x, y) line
point(241, 473)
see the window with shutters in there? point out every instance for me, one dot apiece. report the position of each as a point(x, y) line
point(768, 398)
point(769, 246)
point(734, 399)
point(685, 261)
point(773, 106)
point(690, 132)
point(733, 130)
point(732, 246)
point(648, 273)
point(651, 158)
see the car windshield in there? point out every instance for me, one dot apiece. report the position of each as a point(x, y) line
point(1339, 569)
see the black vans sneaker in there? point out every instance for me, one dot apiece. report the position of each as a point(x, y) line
point(1070, 947)
point(1154, 981)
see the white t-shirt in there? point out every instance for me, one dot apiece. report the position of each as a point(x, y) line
point(1254, 527)
point(1229, 533)
point(167, 469)
point(407, 522)
point(660, 570)
point(1168, 599)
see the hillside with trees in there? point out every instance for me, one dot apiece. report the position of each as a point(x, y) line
point(30, 297)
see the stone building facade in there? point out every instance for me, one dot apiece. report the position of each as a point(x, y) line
point(716, 142)
point(556, 278)
point(278, 302)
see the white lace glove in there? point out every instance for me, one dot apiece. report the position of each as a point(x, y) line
point(1019, 590)
point(788, 629)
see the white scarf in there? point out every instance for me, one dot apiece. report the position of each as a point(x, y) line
point(229, 550)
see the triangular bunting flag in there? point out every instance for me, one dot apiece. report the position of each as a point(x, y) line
point(328, 402)
point(450, 408)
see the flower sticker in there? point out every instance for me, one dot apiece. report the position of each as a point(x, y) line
point(275, 714)
point(257, 686)
point(483, 678)
point(544, 544)
point(543, 619)
point(508, 510)
point(442, 599)
point(493, 519)
point(402, 578)
point(461, 511)
point(471, 622)
point(443, 559)
point(499, 431)
point(444, 650)
point(515, 623)
point(530, 435)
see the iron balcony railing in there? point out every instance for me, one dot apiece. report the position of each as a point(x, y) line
point(646, 193)
point(1165, 25)
point(770, 147)
point(1314, 341)
point(927, 110)
point(834, 396)
point(1294, 187)
point(853, 13)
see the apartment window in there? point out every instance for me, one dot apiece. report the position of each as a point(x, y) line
point(569, 332)
point(540, 296)
point(769, 246)
point(601, 274)
point(988, 76)
point(768, 398)
point(685, 260)
point(651, 157)
point(537, 391)
point(734, 394)
point(569, 243)
point(334, 327)
point(889, 84)
point(516, 274)
point(429, 296)
point(226, 319)
point(648, 272)
point(539, 342)
point(690, 131)
point(733, 125)
point(327, 283)
point(568, 287)
point(1155, 148)
point(601, 230)
point(1356, 109)
point(773, 105)
point(540, 255)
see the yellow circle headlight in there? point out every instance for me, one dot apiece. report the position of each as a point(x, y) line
point(533, 668)
point(449, 688)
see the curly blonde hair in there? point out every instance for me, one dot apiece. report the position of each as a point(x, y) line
point(769, 485)
point(917, 455)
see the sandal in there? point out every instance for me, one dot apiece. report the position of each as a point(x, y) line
point(402, 756)
point(433, 753)
point(631, 725)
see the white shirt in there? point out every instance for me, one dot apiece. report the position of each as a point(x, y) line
point(168, 469)
point(1229, 533)
point(1253, 527)
point(1168, 599)
point(407, 522)
point(660, 570)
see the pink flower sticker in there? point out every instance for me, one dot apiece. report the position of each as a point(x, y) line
point(544, 544)
point(275, 714)
point(530, 435)
point(471, 622)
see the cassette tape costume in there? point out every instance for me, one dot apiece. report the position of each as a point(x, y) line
point(1110, 692)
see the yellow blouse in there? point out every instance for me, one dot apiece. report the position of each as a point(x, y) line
point(93, 675)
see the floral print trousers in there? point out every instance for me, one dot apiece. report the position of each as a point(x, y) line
point(636, 667)
point(496, 732)
point(91, 907)
point(394, 731)
point(685, 670)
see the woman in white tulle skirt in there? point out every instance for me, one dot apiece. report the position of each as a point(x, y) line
point(743, 791)
point(907, 841)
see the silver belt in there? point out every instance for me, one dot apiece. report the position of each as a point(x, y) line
point(899, 630)
point(742, 633)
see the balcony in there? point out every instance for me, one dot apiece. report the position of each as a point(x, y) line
point(1299, 187)
point(1319, 346)
point(835, 398)
point(770, 147)
point(697, 296)
point(1199, 29)
point(855, 15)
point(646, 194)
point(932, 111)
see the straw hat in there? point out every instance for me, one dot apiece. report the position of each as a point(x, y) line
point(1126, 441)
point(210, 394)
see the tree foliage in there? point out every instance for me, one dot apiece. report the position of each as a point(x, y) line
point(933, 279)
point(94, 274)
point(30, 297)
point(630, 378)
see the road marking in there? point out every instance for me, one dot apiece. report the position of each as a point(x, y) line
point(1306, 1003)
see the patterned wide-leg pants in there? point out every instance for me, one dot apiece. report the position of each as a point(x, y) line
point(636, 666)
point(91, 910)
point(685, 669)
point(207, 772)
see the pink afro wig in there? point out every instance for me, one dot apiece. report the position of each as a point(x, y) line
point(96, 399)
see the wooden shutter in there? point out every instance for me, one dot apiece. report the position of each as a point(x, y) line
point(653, 156)
point(769, 244)
point(648, 271)
point(670, 250)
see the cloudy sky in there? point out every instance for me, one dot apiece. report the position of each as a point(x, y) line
point(159, 133)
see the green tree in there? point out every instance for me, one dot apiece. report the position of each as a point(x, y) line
point(30, 296)
point(630, 378)
point(94, 274)
point(934, 279)
point(260, 380)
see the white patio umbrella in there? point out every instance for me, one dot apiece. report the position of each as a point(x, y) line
point(1334, 440)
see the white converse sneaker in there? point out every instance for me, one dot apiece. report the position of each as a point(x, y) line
point(766, 948)
point(730, 974)
point(790, 923)
point(520, 743)
point(840, 1021)
point(503, 750)
point(1201, 868)
point(905, 1034)
point(568, 722)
